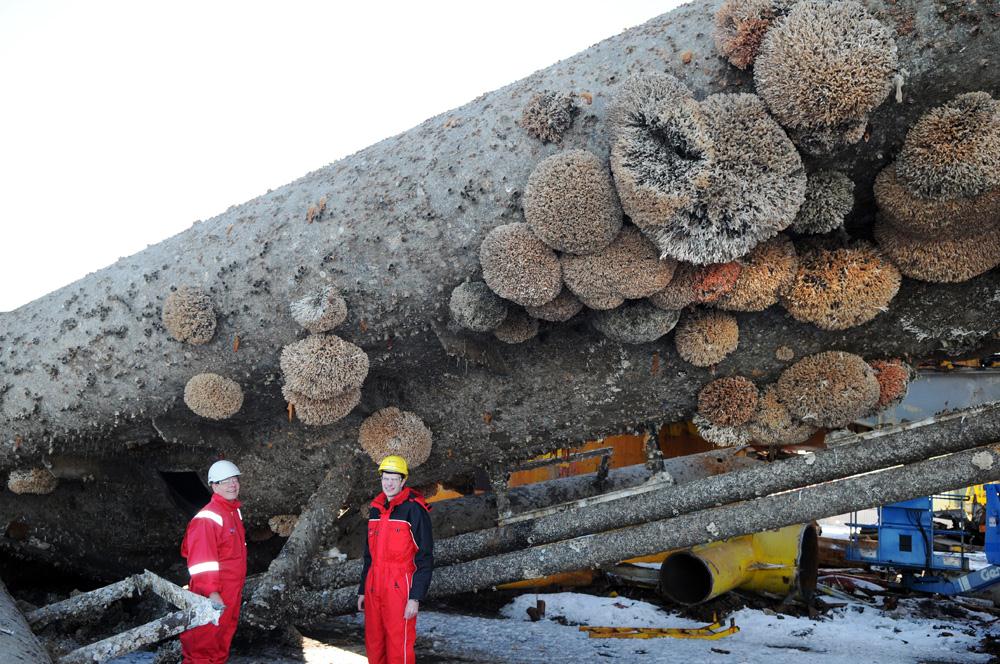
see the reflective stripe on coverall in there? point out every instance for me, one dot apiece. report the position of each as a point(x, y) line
point(216, 551)
point(398, 562)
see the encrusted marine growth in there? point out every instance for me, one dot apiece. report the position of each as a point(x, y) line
point(767, 272)
point(716, 281)
point(561, 309)
point(835, 289)
point(320, 311)
point(548, 115)
point(475, 307)
point(933, 218)
point(394, 431)
point(213, 396)
point(518, 266)
point(571, 204)
point(822, 69)
point(517, 328)
point(705, 338)
point(189, 316)
point(729, 401)
point(894, 377)
point(943, 260)
point(740, 26)
point(323, 366)
point(636, 322)
point(35, 481)
point(829, 389)
point(282, 525)
point(628, 268)
point(319, 412)
point(772, 424)
point(721, 435)
point(829, 198)
point(681, 291)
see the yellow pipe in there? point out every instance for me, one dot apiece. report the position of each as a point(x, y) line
point(779, 561)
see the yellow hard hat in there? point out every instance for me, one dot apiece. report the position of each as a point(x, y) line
point(394, 464)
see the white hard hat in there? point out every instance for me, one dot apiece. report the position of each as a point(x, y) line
point(222, 470)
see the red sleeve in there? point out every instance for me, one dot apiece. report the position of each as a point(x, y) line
point(201, 548)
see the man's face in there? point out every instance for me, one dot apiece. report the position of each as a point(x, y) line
point(392, 484)
point(228, 488)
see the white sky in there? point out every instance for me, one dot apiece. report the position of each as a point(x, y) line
point(123, 122)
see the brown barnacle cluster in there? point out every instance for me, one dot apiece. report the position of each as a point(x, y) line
point(765, 274)
point(716, 281)
point(704, 338)
point(822, 69)
point(729, 401)
point(561, 309)
point(628, 268)
point(571, 204)
point(721, 435)
point(829, 389)
point(189, 316)
point(517, 327)
point(705, 181)
point(321, 310)
point(682, 289)
point(836, 289)
point(829, 198)
point(475, 307)
point(548, 115)
point(34, 481)
point(213, 396)
point(740, 26)
point(282, 525)
point(772, 424)
point(894, 377)
point(940, 200)
point(394, 431)
point(635, 322)
point(323, 377)
point(518, 266)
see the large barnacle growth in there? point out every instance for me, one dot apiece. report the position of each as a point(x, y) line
point(767, 272)
point(548, 115)
point(681, 291)
point(634, 322)
point(829, 389)
point(707, 337)
point(822, 69)
point(835, 289)
point(320, 311)
point(475, 307)
point(721, 435)
point(729, 401)
point(394, 431)
point(35, 481)
point(772, 424)
point(756, 185)
point(323, 366)
point(517, 328)
point(561, 309)
point(213, 396)
point(319, 412)
point(740, 26)
point(716, 281)
point(282, 525)
point(628, 268)
point(829, 198)
point(942, 260)
point(661, 153)
point(189, 316)
point(518, 266)
point(571, 204)
point(894, 377)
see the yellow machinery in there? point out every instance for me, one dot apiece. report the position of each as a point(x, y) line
point(709, 632)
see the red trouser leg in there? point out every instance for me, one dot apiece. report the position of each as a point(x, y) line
point(388, 638)
point(209, 644)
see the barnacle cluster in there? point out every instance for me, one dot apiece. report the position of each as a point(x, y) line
point(320, 311)
point(716, 281)
point(475, 307)
point(829, 198)
point(829, 389)
point(721, 435)
point(729, 401)
point(772, 424)
point(189, 316)
point(571, 204)
point(681, 291)
point(766, 273)
point(707, 337)
point(740, 26)
point(561, 309)
point(282, 525)
point(517, 328)
point(943, 260)
point(894, 377)
point(518, 266)
point(394, 431)
point(323, 376)
point(319, 412)
point(213, 396)
point(822, 69)
point(628, 268)
point(35, 481)
point(635, 322)
point(548, 115)
point(840, 288)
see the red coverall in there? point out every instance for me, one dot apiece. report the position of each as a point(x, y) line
point(398, 560)
point(216, 550)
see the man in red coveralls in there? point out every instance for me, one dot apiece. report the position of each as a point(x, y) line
point(399, 558)
point(216, 550)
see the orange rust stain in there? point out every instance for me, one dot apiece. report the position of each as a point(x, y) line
point(291, 411)
point(236, 343)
